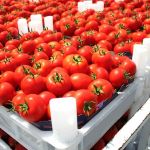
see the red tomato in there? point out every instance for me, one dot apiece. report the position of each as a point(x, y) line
point(67, 50)
point(99, 145)
point(102, 88)
point(45, 48)
point(22, 71)
point(86, 51)
point(14, 42)
point(43, 67)
point(7, 92)
point(100, 36)
point(97, 72)
point(75, 63)
point(91, 25)
point(39, 55)
point(86, 101)
point(129, 66)
point(105, 28)
point(118, 77)
point(110, 134)
point(102, 58)
point(80, 81)
point(9, 77)
point(32, 108)
point(28, 46)
point(58, 83)
point(32, 84)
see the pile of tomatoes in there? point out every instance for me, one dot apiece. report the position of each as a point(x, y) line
point(83, 57)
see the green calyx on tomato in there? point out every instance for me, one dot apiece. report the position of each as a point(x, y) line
point(52, 58)
point(127, 75)
point(40, 49)
point(37, 65)
point(6, 60)
point(117, 35)
point(67, 26)
point(102, 52)
point(77, 59)
point(24, 108)
point(93, 75)
point(26, 70)
point(95, 48)
point(57, 78)
point(67, 44)
point(88, 107)
point(98, 90)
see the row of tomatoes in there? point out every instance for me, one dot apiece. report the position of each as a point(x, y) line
point(79, 59)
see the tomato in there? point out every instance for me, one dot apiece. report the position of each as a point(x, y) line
point(12, 142)
point(32, 108)
point(102, 58)
point(54, 45)
point(75, 63)
point(98, 72)
point(39, 55)
point(110, 134)
point(4, 37)
point(58, 83)
point(56, 59)
point(45, 48)
point(8, 64)
point(7, 92)
point(99, 145)
point(78, 41)
point(8, 76)
point(67, 27)
point(102, 88)
point(105, 28)
point(28, 46)
point(129, 66)
point(20, 147)
point(43, 67)
point(100, 36)
point(86, 51)
point(91, 25)
point(9, 47)
point(32, 84)
point(105, 44)
point(67, 50)
point(138, 36)
point(86, 101)
point(57, 69)
point(118, 77)
point(79, 30)
point(121, 47)
point(80, 81)
point(38, 41)
point(22, 71)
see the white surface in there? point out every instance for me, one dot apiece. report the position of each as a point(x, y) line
point(3, 145)
point(64, 119)
point(22, 26)
point(48, 22)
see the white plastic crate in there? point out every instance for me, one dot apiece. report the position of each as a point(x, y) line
point(4, 146)
point(33, 138)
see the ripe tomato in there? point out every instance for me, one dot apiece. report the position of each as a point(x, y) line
point(7, 92)
point(102, 88)
point(45, 48)
point(14, 42)
point(86, 51)
point(86, 101)
point(129, 66)
point(32, 84)
point(58, 83)
point(39, 55)
point(99, 145)
point(118, 77)
point(75, 63)
point(97, 72)
point(121, 47)
point(43, 67)
point(80, 81)
point(105, 28)
point(100, 36)
point(22, 71)
point(67, 50)
point(8, 76)
point(28, 46)
point(91, 25)
point(32, 108)
point(102, 58)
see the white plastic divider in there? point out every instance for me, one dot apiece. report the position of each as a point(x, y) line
point(129, 131)
point(4, 146)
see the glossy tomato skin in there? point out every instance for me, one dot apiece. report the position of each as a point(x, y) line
point(102, 58)
point(33, 108)
point(102, 88)
point(80, 81)
point(32, 84)
point(58, 83)
point(118, 77)
point(43, 67)
point(86, 101)
point(129, 66)
point(75, 63)
point(7, 92)
point(98, 72)
point(28, 46)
